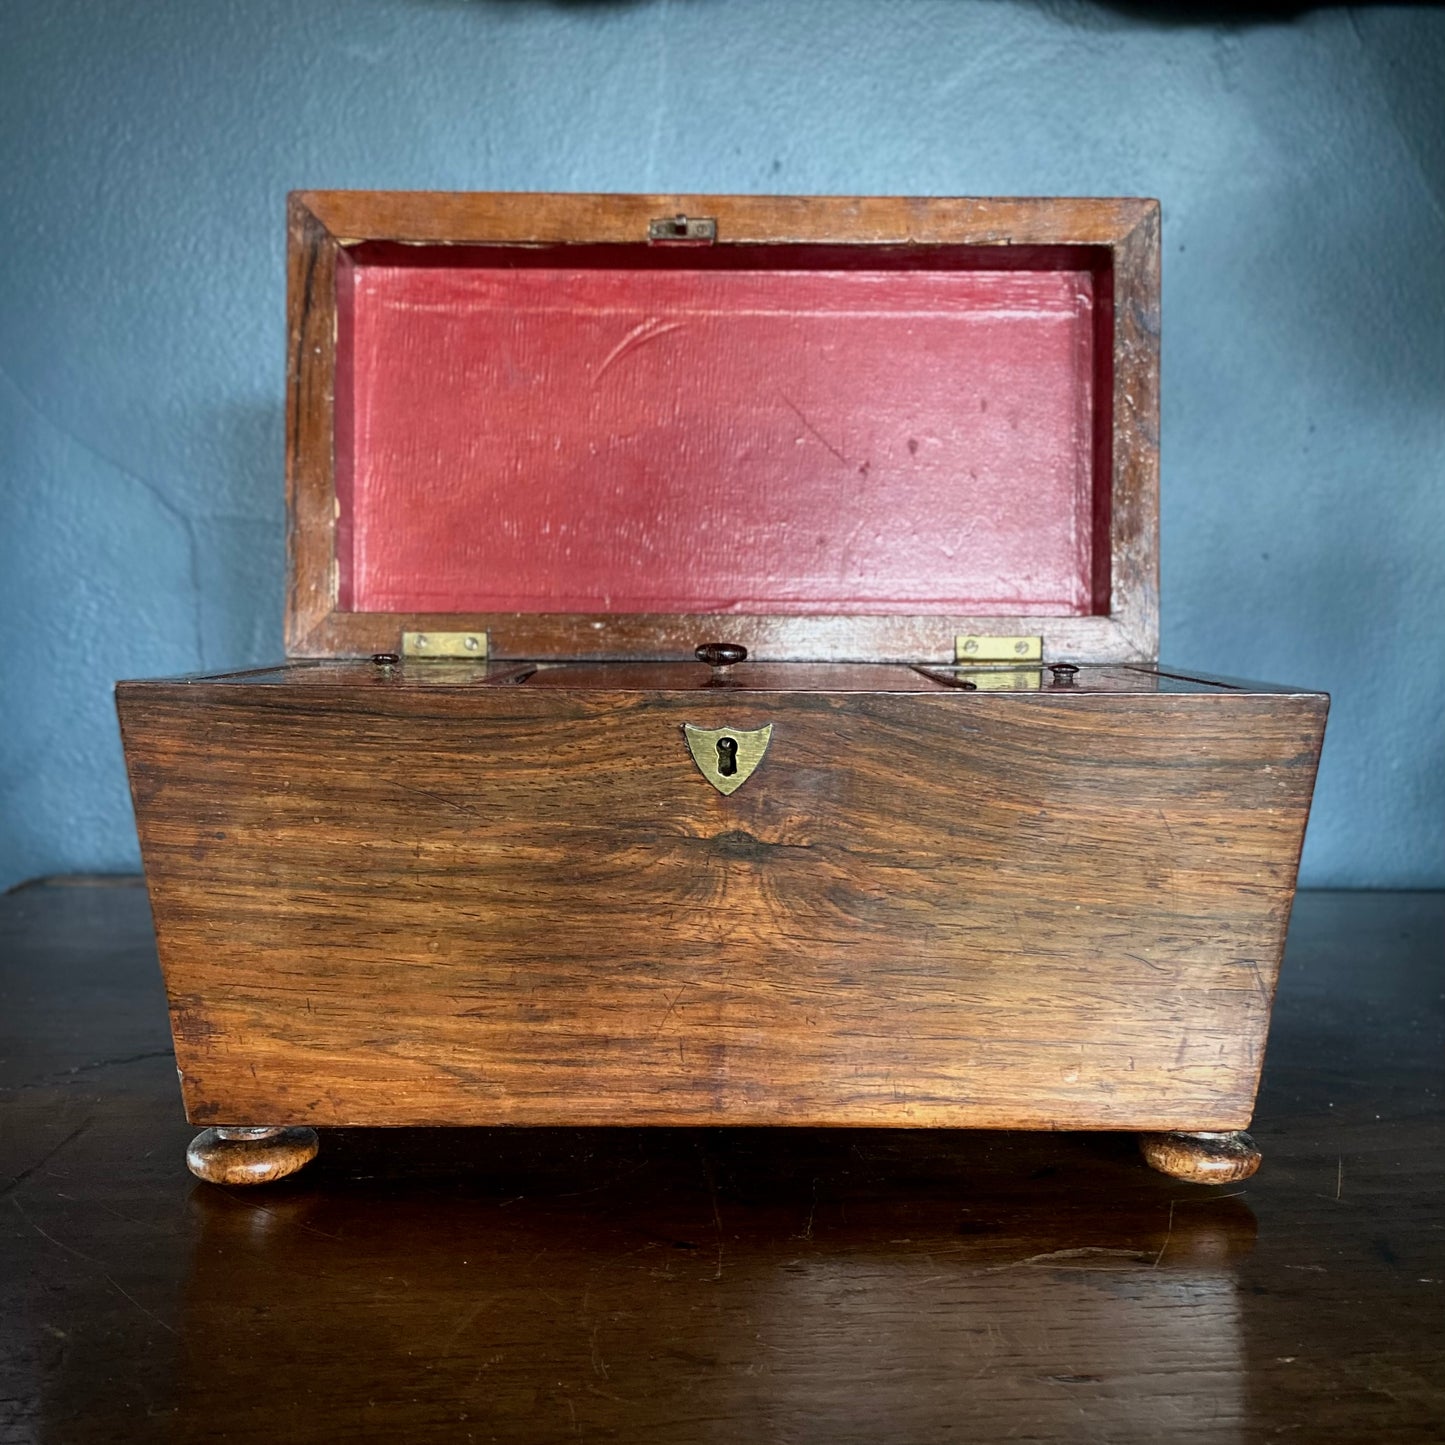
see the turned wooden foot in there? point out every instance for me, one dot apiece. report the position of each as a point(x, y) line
point(1202, 1158)
point(250, 1155)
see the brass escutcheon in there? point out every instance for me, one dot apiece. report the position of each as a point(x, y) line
point(727, 757)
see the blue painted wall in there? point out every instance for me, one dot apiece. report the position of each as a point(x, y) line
point(145, 150)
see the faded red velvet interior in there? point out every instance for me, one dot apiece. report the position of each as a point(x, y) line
point(750, 429)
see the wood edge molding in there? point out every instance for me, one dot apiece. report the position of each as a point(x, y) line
point(483, 217)
point(311, 254)
point(1134, 528)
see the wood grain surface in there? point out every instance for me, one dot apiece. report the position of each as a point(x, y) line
point(1111, 610)
point(250, 1155)
point(704, 1286)
point(1202, 1158)
point(408, 905)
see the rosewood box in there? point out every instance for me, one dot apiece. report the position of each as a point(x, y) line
point(720, 689)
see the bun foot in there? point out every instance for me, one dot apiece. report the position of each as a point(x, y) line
point(1201, 1158)
point(250, 1156)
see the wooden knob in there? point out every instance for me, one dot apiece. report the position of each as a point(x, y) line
point(721, 654)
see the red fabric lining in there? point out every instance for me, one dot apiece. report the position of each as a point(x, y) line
point(694, 431)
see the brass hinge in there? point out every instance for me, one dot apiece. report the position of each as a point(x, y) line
point(697, 229)
point(996, 650)
point(444, 644)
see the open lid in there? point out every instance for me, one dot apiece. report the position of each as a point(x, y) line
point(824, 428)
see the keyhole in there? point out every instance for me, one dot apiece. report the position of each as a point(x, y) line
point(727, 757)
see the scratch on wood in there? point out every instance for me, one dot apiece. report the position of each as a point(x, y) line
point(716, 1212)
point(91, 1067)
point(1089, 1251)
point(671, 1006)
point(812, 1210)
point(1168, 1234)
point(44, 1159)
point(438, 798)
point(271, 1213)
point(599, 1365)
point(1260, 985)
point(466, 1319)
point(90, 1259)
point(125, 1294)
point(1148, 962)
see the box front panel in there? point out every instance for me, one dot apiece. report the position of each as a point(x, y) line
point(431, 906)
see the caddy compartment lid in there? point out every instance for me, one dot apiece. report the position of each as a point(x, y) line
point(617, 426)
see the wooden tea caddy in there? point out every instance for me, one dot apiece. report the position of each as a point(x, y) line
point(516, 836)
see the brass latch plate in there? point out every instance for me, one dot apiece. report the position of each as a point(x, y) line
point(697, 229)
point(444, 644)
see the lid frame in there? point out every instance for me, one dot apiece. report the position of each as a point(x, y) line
point(323, 223)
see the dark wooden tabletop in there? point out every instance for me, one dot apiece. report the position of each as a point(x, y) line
point(721, 1285)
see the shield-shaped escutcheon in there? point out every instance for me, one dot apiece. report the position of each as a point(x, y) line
point(727, 757)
